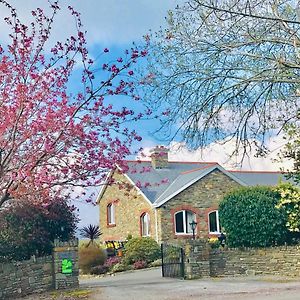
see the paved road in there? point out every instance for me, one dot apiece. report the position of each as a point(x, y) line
point(149, 285)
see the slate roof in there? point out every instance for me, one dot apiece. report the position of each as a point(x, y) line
point(160, 185)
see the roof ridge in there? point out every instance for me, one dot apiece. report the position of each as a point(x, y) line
point(250, 171)
point(198, 169)
point(174, 161)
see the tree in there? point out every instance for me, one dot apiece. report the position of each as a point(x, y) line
point(53, 139)
point(91, 232)
point(227, 70)
point(250, 217)
point(290, 202)
point(28, 229)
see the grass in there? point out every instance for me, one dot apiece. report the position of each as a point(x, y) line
point(74, 294)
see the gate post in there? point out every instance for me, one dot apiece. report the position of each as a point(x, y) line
point(65, 259)
point(197, 259)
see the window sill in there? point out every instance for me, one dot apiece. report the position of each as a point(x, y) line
point(111, 225)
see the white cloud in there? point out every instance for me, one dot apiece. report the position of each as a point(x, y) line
point(221, 153)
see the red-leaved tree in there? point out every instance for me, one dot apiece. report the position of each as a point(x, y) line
point(52, 140)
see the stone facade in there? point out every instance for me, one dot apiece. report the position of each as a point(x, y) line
point(201, 261)
point(129, 207)
point(201, 198)
point(40, 274)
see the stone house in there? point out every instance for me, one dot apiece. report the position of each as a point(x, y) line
point(166, 196)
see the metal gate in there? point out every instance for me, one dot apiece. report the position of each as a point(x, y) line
point(172, 257)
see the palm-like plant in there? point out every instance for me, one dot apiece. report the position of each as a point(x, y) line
point(90, 232)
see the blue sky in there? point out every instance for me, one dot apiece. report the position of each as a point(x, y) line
point(109, 23)
point(116, 24)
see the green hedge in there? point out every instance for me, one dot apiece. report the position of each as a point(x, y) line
point(250, 219)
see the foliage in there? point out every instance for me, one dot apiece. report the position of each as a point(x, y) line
point(290, 202)
point(226, 70)
point(249, 217)
point(111, 261)
point(91, 232)
point(156, 263)
point(27, 229)
point(53, 140)
point(120, 267)
point(291, 150)
point(98, 270)
point(140, 264)
point(143, 248)
point(214, 243)
point(90, 257)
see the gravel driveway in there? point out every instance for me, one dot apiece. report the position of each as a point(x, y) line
point(148, 285)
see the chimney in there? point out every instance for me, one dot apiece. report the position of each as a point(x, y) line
point(159, 157)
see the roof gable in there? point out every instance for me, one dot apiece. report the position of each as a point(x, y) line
point(158, 186)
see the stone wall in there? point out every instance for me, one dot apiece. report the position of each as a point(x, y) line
point(283, 261)
point(201, 261)
point(129, 206)
point(26, 277)
point(202, 197)
point(41, 274)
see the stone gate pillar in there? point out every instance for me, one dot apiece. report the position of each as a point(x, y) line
point(65, 260)
point(196, 263)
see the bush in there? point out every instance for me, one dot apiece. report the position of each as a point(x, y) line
point(90, 257)
point(111, 261)
point(145, 249)
point(250, 219)
point(140, 264)
point(156, 263)
point(28, 229)
point(120, 267)
point(98, 270)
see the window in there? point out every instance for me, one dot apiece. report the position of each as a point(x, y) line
point(111, 214)
point(183, 219)
point(145, 224)
point(213, 222)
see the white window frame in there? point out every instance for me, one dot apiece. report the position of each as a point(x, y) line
point(218, 222)
point(184, 216)
point(111, 214)
point(147, 223)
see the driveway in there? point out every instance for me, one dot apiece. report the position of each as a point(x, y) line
point(148, 285)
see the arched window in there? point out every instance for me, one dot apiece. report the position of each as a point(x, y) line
point(145, 224)
point(111, 214)
point(213, 222)
point(183, 220)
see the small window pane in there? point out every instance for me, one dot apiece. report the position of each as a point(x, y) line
point(145, 222)
point(190, 217)
point(111, 214)
point(179, 222)
point(213, 223)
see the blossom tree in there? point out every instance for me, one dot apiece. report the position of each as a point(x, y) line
point(52, 140)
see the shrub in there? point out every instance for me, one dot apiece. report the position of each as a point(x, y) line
point(156, 263)
point(140, 264)
point(98, 270)
point(249, 218)
point(111, 261)
point(145, 249)
point(28, 229)
point(90, 257)
point(120, 267)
